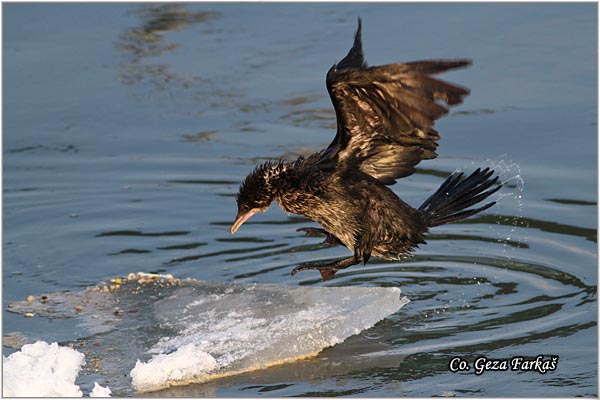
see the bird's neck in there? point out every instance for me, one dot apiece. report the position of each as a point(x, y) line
point(276, 177)
point(293, 188)
point(283, 182)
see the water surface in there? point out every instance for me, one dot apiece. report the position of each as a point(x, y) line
point(128, 127)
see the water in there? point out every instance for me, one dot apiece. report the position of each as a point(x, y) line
point(127, 129)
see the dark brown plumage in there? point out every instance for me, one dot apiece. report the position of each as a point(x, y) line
point(385, 117)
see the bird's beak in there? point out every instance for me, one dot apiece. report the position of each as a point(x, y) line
point(241, 218)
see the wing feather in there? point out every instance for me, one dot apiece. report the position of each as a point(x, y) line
point(385, 114)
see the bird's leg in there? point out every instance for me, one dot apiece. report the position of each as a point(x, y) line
point(328, 270)
point(329, 238)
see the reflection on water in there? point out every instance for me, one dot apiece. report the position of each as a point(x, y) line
point(323, 117)
point(574, 202)
point(142, 186)
point(141, 45)
point(482, 111)
point(185, 246)
point(546, 226)
point(137, 233)
point(199, 137)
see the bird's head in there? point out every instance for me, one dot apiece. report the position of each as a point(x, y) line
point(257, 192)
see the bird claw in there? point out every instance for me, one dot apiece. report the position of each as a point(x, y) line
point(326, 272)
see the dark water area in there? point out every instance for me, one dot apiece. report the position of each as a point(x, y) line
point(128, 127)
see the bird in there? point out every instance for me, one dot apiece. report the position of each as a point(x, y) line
point(385, 127)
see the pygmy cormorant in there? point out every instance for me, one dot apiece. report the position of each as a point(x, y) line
point(385, 117)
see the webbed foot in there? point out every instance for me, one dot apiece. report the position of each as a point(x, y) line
point(327, 270)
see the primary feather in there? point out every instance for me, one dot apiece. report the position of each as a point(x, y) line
point(385, 114)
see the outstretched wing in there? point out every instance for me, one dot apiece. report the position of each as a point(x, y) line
point(385, 114)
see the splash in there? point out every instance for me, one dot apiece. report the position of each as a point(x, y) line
point(511, 197)
point(508, 211)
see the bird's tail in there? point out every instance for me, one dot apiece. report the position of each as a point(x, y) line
point(450, 202)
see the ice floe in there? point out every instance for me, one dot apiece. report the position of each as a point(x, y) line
point(44, 370)
point(165, 331)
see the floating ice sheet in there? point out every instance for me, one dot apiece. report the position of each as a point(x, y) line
point(224, 329)
point(44, 370)
point(41, 370)
point(100, 391)
point(173, 332)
